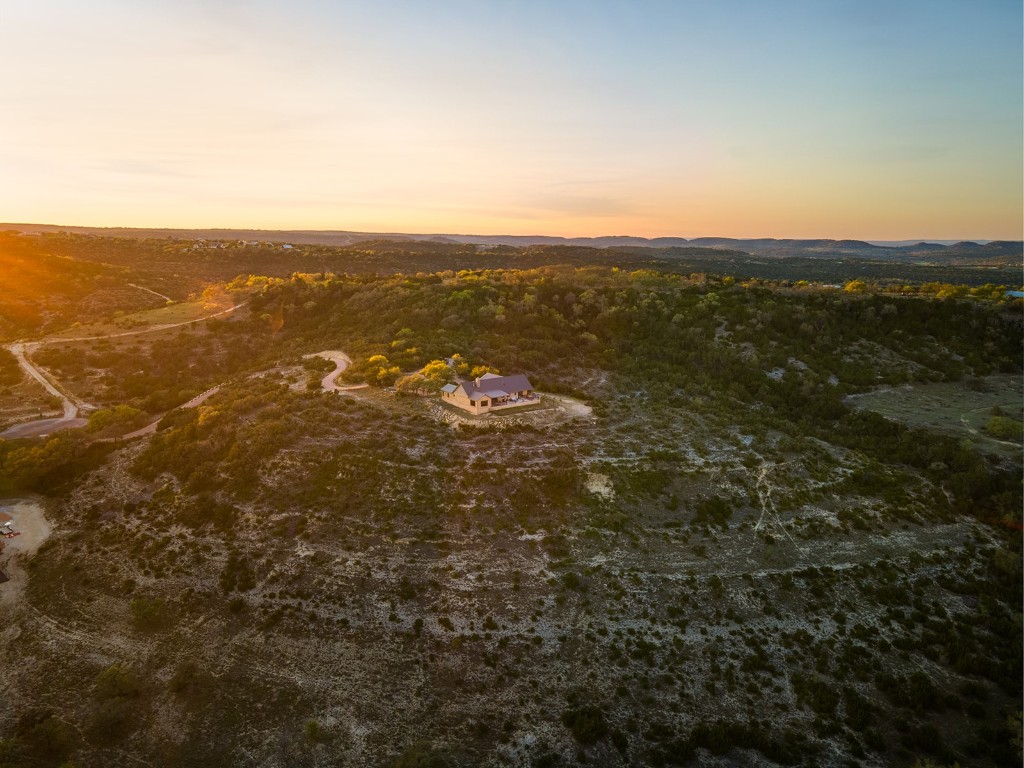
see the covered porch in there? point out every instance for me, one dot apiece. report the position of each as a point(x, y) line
point(514, 401)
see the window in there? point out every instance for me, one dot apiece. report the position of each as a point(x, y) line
point(483, 402)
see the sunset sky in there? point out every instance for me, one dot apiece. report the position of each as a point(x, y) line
point(869, 119)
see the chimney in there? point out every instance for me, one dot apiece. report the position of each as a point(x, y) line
point(478, 381)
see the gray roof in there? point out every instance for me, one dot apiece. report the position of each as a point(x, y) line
point(492, 385)
point(449, 388)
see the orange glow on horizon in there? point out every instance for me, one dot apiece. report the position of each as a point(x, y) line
point(549, 121)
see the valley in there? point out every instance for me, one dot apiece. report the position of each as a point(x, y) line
point(746, 526)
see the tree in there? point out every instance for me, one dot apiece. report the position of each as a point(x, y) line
point(480, 370)
point(438, 371)
point(413, 384)
point(461, 366)
point(118, 417)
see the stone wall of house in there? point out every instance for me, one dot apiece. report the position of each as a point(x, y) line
point(463, 402)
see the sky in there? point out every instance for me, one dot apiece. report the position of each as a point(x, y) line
point(868, 119)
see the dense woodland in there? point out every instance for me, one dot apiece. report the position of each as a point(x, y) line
point(52, 280)
point(774, 576)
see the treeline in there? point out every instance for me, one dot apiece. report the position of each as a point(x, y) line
point(179, 267)
point(51, 466)
point(702, 330)
point(221, 445)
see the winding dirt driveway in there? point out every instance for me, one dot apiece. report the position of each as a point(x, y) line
point(341, 362)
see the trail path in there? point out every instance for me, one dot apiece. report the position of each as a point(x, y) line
point(150, 290)
point(339, 358)
point(976, 433)
point(18, 350)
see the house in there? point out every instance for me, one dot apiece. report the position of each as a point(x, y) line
point(490, 392)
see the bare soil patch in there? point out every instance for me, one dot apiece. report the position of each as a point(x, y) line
point(33, 529)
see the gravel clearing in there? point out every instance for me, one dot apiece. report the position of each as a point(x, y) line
point(27, 518)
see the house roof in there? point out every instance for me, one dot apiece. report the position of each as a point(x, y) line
point(494, 393)
point(492, 385)
point(449, 388)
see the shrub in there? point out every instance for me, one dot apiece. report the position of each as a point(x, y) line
point(150, 614)
point(1004, 428)
point(587, 724)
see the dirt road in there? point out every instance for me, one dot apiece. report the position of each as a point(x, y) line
point(150, 428)
point(151, 329)
point(72, 405)
point(20, 351)
point(40, 427)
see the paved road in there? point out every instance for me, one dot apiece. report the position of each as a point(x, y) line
point(41, 427)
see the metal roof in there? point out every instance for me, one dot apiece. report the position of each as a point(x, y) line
point(497, 384)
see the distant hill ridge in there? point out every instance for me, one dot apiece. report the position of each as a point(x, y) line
point(1002, 252)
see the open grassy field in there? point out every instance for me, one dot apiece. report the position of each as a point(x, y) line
point(172, 314)
point(956, 407)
